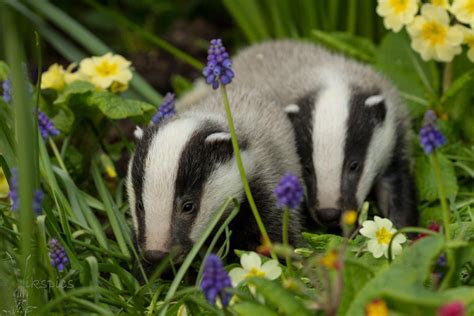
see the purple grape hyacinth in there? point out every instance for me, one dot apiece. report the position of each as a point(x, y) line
point(57, 255)
point(430, 137)
point(218, 69)
point(46, 126)
point(37, 201)
point(215, 281)
point(7, 91)
point(14, 189)
point(166, 109)
point(289, 192)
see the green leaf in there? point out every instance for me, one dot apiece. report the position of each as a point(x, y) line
point(353, 46)
point(322, 243)
point(116, 107)
point(4, 71)
point(76, 87)
point(458, 85)
point(252, 308)
point(406, 274)
point(286, 302)
point(397, 60)
point(426, 180)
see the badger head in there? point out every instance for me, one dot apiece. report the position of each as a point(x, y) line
point(350, 132)
point(182, 172)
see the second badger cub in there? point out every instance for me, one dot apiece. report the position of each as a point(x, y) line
point(184, 169)
point(350, 123)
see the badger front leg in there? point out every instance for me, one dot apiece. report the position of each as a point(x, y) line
point(396, 194)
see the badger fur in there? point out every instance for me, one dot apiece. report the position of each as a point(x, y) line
point(350, 123)
point(184, 169)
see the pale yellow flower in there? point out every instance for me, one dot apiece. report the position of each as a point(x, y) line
point(397, 13)
point(4, 188)
point(53, 78)
point(469, 40)
point(71, 76)
point(464, 11)
point(349, 217)
point(103, 71)
point(433, 37)
point(441, 3)
point(380, 231)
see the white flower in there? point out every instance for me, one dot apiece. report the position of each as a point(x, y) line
point(469, 40)
point(380, 232)
point(397, 13)
point(433, 37)
point(252, 266)
point(464, 11)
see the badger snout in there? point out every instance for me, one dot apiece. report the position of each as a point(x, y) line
point(329, 217)
point(153, 256)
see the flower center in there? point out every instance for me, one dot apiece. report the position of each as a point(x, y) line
point(106, 69)
point(383, 236)
point(434, 32)
point(255, 272)
point(470, 6)
point(399, 5)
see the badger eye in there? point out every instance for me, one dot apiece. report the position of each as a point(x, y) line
point(354, 166)
point(188, 207)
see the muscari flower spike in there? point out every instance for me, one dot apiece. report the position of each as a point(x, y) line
point(215, 281)
point(289, 192)
point(166, 109)
point(430, 137)
point(37, 200)
point(7, 91)
point(46, 126)
point(57, 255)
point(14, 189)
point(218, 69)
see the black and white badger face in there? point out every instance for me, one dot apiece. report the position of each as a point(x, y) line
point(182, 172)
point(350, 132)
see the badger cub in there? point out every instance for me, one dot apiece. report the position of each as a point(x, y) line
point(184, 169)
point(350, 123)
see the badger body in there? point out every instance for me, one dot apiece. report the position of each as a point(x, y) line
point(184, 169)
point(350, 124)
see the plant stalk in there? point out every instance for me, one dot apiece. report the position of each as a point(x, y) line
point(286, 242)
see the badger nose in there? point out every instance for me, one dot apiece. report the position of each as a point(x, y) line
point(329, 216)
point(154, 255)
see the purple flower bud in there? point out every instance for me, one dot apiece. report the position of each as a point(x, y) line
point(46, 126)
point(289, 192)
point(37, 200)
point(7, 91)
point(219, 67)
point(215, 281)
point(430, 137)
point(14, 197)
point(58, 256)
point(166, 109)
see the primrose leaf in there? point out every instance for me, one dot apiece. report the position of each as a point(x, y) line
point(74, 88)
point(116, 107)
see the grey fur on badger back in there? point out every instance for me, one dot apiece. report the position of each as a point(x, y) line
point(184, 169)
point(350, 123)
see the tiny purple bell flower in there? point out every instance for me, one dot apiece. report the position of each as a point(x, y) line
point(57, 255)
point(289, 192)
point(219, 66)
point(166, 109)
point(215, 281)
point(46, 126)
point(430, 137)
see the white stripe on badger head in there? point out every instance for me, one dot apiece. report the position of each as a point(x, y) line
point(161, 170)
point(224, 182)
point(378, 154)
point(329, 133)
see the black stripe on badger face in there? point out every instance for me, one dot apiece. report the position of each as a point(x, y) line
point(367, 112)
point(302, 122)
point(198, 161)
point(138, 176)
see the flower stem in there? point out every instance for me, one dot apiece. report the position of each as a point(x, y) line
point(286, 242)
point(446, 219)
point(245, 183)
point(57, 154)
point(447, 76)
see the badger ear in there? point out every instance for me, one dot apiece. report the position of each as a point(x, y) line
point(138, 133)
point(292, 108)
point(218, 137)
point(374, 100)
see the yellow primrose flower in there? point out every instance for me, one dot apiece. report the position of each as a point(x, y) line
point(252, 266)
point(4, 188)
point(349, 217)
point(53, 78)
point(380, 231)
point(441, 3)
point(103, 71)
point(397, 13)
point(464, 11)
point(71, 76)
point(376, 308)
point(433, 37)
point(469, 40)
point(331, 260)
